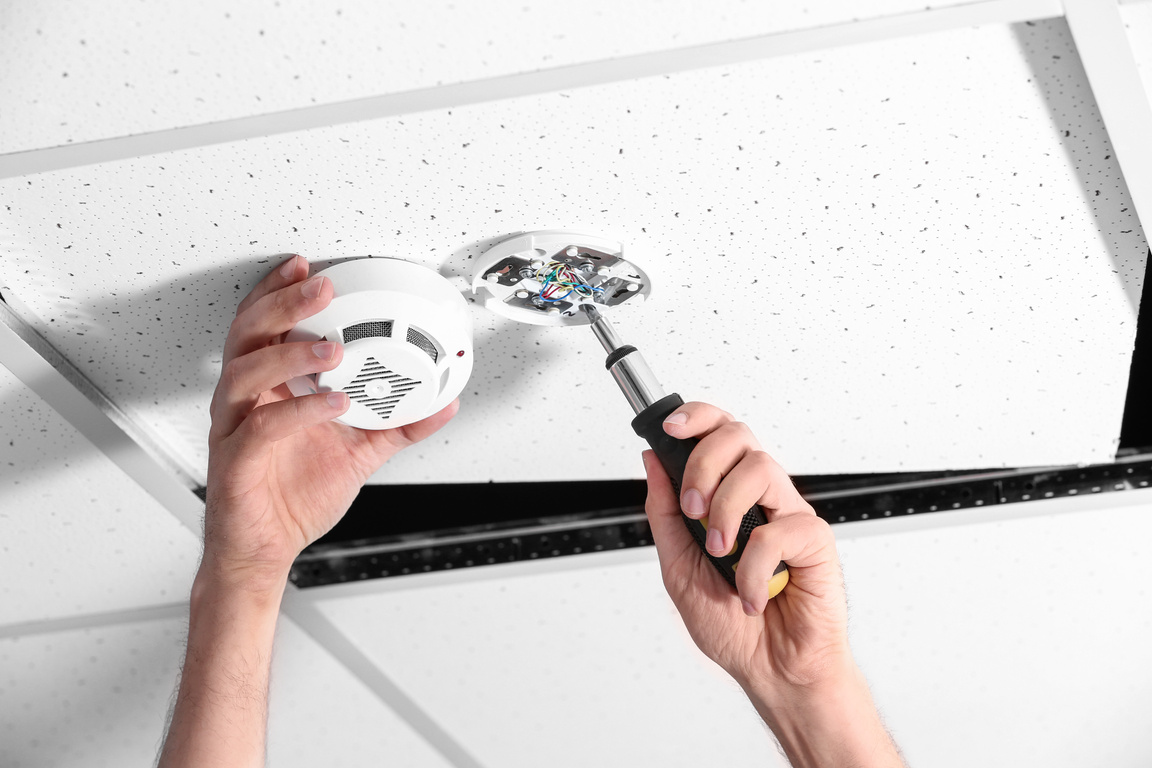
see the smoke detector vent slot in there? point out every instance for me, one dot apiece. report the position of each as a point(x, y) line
point(423, 342)
point(369, 329)
point(379, 388)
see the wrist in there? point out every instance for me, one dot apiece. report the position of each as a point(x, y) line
point(258, 583)
point(831, 722)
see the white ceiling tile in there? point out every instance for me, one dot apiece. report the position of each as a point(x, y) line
point(77, 535)
point(584, 667)
point(1138, 23)
point(100, 697)
point(91, 697)
point(974, 637)
point(79, 72)
point(978, 640)
point(321, 715)
point(909, 255)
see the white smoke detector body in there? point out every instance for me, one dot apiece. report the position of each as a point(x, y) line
point(407, 336)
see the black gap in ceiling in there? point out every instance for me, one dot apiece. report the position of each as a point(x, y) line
point(503, 527)
point(381, 511)
point(1136, 430)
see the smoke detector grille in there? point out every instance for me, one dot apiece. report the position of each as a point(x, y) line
point(423, 342)
point(371, 328)
point(379, 388)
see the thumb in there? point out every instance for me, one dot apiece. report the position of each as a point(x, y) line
point(662, 506)
point(405, 436)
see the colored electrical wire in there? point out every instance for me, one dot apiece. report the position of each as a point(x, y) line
point(561, 277)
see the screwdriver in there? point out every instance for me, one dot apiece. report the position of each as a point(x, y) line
point(652, 406)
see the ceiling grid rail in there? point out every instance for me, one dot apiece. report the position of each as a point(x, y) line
point(1110, 65)
point(29, 364)
point(529, 83)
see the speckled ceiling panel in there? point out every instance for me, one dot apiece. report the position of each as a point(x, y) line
point(968, 665)
point(77, 535)
point(515, 666)
point(1138, 23)
point(92, 697)
point(321, 715)
point(89, 70)
point(916, 254)
point(100, 697)
point(975, 638)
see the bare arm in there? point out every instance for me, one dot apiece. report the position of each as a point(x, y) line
point(222, 707)
point(834, 724)
point(788, 651)
point(281, 473)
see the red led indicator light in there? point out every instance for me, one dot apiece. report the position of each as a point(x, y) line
point(460, 353)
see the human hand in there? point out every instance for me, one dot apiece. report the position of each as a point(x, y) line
point(794, 640)
point(281, 473)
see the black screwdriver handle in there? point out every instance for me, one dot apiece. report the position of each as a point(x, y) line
point(673, 454)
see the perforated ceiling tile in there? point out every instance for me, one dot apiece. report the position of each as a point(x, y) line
point(100, 697)
point(1138, 23)
point(77, 535)
point(92, 697)
point(321, 715)
point(514, 667)
point(911, 255)
point(84, 71)
point(976, 637)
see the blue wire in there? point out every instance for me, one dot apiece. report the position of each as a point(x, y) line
point(548, 280)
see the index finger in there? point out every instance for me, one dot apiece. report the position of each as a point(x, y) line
point(291, 271)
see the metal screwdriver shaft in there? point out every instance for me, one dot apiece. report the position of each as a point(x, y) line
point(652, 406)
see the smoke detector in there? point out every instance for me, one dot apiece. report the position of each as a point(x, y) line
point(547, 277)
point(407, 338)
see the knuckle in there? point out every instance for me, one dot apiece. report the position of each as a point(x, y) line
point(761, 461)
point(257, 421)
point(823, 527)
point(744, 581)
point(232, 374)
point(287, 301)
point(759, 535)
point(726, 508)
point(737, 430)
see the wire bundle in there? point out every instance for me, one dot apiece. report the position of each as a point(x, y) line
point(556, 276)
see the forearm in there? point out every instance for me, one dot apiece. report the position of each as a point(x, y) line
point(835, 724)
point(222, 705)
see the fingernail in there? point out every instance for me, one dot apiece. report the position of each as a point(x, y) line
point(693, 503)
point(311, 288)
point(324, 349)
point(337, 399)
point(677, 418)
point(289, 267)
point(749, 609)
point(715, 541)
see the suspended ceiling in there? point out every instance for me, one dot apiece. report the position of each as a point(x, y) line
point(906, 255)
point(95, 570)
